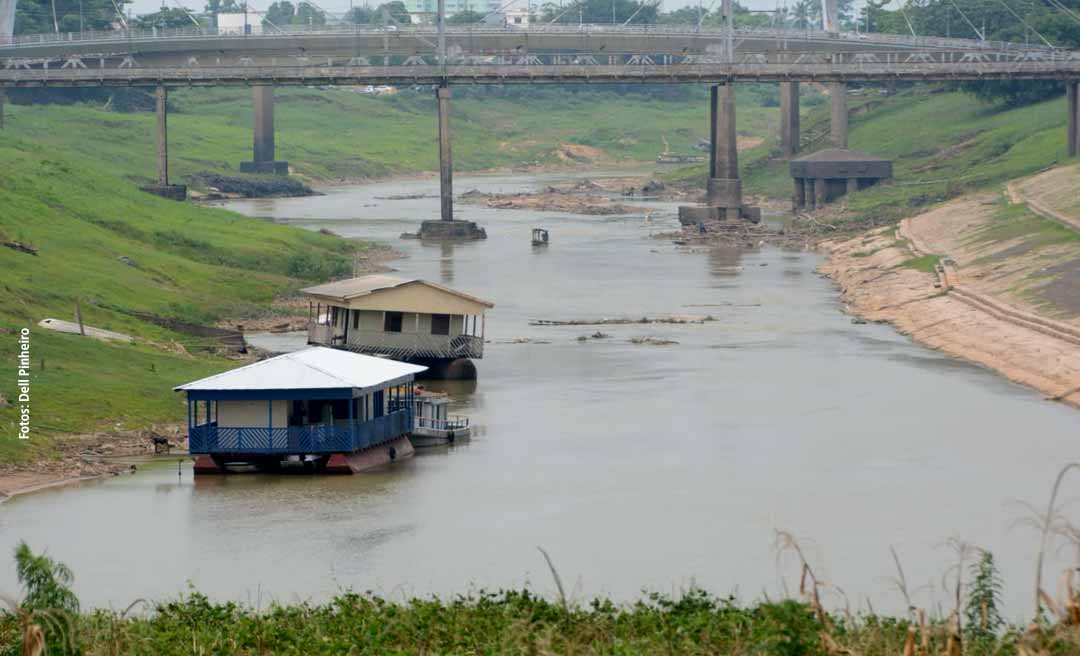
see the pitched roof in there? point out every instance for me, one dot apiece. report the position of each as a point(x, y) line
point(311, 368)
point(354, 287)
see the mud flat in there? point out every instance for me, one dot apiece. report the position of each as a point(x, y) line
point(979, 278)
point(86, 457)
point(551, 201)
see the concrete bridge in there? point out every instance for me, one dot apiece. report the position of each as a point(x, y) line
point(588, 54)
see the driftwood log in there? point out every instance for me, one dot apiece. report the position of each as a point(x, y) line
point(22, 248)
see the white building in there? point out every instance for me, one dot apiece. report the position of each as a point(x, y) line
point(239, 23)
point(517, 17)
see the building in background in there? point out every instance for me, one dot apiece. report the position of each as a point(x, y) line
point(239, 23)
point(425, 10)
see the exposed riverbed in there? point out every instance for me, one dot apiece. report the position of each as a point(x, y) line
point(636, 466)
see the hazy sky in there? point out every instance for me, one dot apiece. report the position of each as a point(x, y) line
point(334, 6)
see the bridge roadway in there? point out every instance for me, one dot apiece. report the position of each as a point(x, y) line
point(484, 55)
point(352, 55)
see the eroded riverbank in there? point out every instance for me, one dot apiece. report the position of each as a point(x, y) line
point(978, 278)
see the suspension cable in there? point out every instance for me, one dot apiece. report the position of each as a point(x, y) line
point(1025, 23)
point(982, 37)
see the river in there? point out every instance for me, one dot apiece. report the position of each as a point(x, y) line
point(636, 467)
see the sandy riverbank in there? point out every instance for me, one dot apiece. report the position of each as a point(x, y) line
point(978, 278)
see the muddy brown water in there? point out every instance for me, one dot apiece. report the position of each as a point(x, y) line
point(637, 467)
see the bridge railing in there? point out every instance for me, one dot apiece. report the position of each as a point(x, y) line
point(338, 29)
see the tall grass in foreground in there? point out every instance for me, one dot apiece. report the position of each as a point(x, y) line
point(522, 622)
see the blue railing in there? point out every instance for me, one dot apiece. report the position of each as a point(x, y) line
point(339, 438)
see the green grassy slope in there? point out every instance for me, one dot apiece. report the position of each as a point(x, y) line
point(68, 186)
point(186, 262)
point(336, 134)
point(943, 144)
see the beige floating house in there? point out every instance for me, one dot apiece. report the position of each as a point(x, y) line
point(405, 319)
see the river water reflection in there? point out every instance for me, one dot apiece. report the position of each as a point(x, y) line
point(637, 467)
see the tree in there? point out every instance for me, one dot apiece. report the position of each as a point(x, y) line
point(309, 14)
point(386, 13)
point(46, 583)
point(280, 13)
point(392, 12)
point(36, 16)
point(982, 619)
point(284, 12)
point(167, 17)
point(360, 16)
point(214, 7)
point(48, 605)
point(601, 11)
point(466, 17)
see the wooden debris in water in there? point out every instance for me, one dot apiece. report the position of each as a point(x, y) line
point(606, 321)
point(652, 341)
point(596, 335)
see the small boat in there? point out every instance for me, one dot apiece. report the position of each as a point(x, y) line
point(539, 237)
point(433, 425)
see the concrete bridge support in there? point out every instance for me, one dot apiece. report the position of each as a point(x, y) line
point(446, 228)
point(789, 118)
point(723, 196)
point(724, 188)
point(1072, 139)
point(446, 171)
point(163, 188)
point(263, 139)
point(838, 132)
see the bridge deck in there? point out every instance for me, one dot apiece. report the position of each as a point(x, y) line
point(484, 55)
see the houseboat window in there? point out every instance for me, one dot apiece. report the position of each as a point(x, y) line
point(392, 322)
point(440, 324)
point(356, 320)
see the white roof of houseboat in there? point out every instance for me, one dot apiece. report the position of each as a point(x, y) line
point(354, 287)
point(312, 368)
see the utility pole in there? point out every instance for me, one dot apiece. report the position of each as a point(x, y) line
point(440, 21)
point(729, 30)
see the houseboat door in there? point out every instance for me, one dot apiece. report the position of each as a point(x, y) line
point(379, 402)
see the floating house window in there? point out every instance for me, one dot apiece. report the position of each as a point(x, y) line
point(392, 322)
point(440, 324)
point(356, 320)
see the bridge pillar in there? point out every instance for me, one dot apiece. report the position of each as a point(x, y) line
point(789, 118)
point(163, 188)
point(446, 172)
point(1072, 140)
point(724, 188)
point(723, 196)
point(830, 17)
point(446, 228)
point(263, 139)
point(838, 131)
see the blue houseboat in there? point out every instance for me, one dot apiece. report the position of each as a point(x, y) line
point(318, 409)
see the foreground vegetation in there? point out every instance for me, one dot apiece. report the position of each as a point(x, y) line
point(523, 622)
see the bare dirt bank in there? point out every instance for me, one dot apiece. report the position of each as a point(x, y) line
point(978, 279)
point(86, 457)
